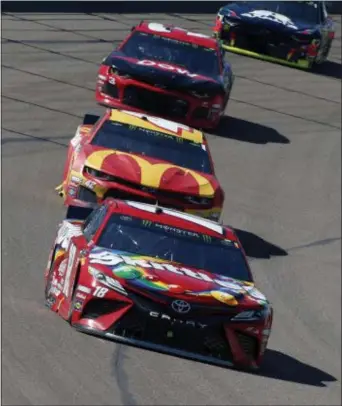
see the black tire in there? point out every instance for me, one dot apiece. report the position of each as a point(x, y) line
point(77, 276)
point(49, 278)
point(326, 50)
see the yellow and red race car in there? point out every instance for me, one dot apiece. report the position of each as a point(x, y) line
point(129, 155)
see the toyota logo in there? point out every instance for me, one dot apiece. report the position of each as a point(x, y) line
point(180, 306)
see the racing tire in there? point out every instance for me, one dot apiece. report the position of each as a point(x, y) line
point(326, 51)
point(77, 276)
point(49, 276)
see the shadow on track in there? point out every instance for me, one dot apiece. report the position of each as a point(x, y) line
point(329, 69)
point(257, 247)
point(278, 365)
point(242, 130)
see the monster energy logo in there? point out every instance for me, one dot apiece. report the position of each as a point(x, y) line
point(206, 238)
point(147, 223)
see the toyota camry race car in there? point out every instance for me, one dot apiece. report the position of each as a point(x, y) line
point(295, 33)
point(133, 156)
point(169, 72)
point(160, 279)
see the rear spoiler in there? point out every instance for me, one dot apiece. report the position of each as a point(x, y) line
point(80, 212)
point(90, 119)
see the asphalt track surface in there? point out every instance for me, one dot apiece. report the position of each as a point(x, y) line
point(278, 157)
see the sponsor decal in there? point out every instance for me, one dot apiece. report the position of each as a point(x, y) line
point(83, 289)
point(76, 179)
point(78, 305)
point(90, 184)
point(62, 268)
point(271, 16)
point(181, 306)
point(111, 259)
point(80, 296)
point(55, 291)
point(167, 67)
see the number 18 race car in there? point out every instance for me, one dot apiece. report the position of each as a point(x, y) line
point(133, 156)
point(160, 279)
point(168, 72)
point(295, 33)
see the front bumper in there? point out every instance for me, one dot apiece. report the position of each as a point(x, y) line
point(95, 192)
point(173, 105)
point(226, 346)
point(154, 347)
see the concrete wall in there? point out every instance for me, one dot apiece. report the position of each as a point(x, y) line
point(195, 7)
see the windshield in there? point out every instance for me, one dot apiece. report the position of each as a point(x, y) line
point(138, 236)
point(137, 140)
point(195, 58)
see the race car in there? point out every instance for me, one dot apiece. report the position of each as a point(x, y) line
point(294, 33)
point(160, 279)
point(169, 72)
point(134, 156)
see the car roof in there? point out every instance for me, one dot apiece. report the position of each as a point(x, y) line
point(161, 125)
point(173, 218)
point(178, 33)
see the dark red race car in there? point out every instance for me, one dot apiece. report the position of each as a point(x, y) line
point(169, 72)
point(160, 279)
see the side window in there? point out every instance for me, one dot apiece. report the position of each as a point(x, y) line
point(93, 222)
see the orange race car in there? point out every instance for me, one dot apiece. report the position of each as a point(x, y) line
point(129, 155)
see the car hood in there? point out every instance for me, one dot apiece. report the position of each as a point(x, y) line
point(168, 278)
point(248, 13)
point(164, 74)
point(150, 172)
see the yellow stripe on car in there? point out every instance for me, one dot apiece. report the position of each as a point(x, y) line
point(301, 63)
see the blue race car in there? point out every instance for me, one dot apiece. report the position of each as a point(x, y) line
point(295, 33)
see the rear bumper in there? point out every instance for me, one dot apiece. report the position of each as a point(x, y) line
point(267, 45)
point(140, 97)
point(76, 192)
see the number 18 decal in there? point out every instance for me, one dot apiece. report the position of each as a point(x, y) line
point(100, 292)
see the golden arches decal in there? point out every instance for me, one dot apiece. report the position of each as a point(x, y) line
point(151, 174)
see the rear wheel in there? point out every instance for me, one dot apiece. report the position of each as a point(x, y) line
point(326, 51)
point(72, 304)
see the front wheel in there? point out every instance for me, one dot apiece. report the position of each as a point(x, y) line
point(49, 278)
